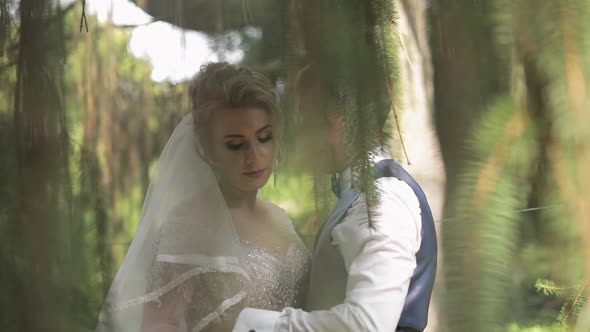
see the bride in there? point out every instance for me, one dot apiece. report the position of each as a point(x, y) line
point(207, 245)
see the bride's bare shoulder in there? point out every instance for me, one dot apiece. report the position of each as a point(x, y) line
point(276, 212)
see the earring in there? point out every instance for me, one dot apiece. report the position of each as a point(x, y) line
point(275, 172)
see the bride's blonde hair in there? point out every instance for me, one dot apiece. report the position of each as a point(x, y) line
point(223, 85)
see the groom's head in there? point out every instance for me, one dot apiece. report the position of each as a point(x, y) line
point(321, 106)
point(320, 122)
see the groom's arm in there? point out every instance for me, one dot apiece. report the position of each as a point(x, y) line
point(380, 264)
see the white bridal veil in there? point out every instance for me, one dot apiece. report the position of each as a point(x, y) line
point(185, 234)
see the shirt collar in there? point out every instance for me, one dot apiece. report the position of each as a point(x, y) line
point(344, 181)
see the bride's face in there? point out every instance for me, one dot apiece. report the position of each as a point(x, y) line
point(242, 147)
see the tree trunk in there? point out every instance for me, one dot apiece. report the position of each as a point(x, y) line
point(419, 137)
point(42, 201)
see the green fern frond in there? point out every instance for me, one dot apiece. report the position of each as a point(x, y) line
point(549, 288)
point(571, 309)
point(575, 298)
point(356, 54)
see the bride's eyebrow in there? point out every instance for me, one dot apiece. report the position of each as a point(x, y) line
point(268, 126)
point(264, 128)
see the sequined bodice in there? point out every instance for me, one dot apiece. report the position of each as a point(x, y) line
point(277, 281)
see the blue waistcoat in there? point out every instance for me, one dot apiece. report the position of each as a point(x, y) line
point(328, 276)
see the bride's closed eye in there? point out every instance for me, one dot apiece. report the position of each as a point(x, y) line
point(234, 146)
point(265, 138)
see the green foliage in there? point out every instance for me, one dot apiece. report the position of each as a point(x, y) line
point(35, 209)
point(541, 51)
point(536, 328)
point(112, 122)
point(353, 47)
point(574, 299)
point(548, 287)
point(481, 239)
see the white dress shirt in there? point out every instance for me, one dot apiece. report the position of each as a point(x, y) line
point(380, 263)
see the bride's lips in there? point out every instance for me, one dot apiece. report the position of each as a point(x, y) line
point(255, 173)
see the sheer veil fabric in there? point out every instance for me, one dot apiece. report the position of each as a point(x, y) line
point(185, 231)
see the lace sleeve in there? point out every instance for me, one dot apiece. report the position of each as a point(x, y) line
point(167, 313)
point(203, 303)
point(215, 315)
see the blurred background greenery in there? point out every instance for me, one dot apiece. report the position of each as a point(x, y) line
point(491, 100)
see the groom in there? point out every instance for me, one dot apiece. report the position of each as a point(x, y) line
point(361, 279)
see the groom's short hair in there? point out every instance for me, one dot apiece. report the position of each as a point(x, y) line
point(330, 93)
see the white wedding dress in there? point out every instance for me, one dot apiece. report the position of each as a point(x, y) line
point(187, 251)
point(278, 281)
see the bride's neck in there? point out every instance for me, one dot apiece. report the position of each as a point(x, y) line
point(237, 199)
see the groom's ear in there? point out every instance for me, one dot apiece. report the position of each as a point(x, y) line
point(336, 125)
point(335, 118)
